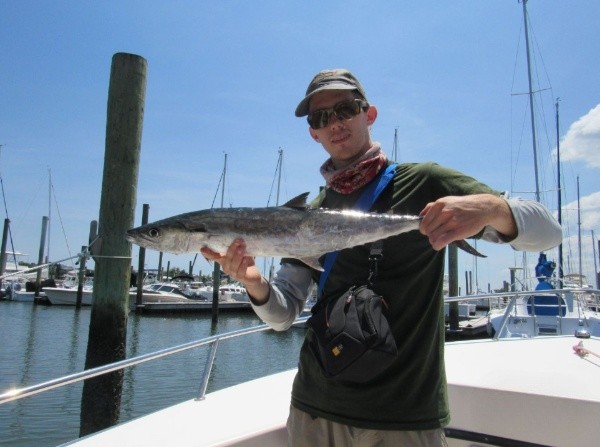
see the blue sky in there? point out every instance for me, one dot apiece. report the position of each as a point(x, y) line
point(225, 77)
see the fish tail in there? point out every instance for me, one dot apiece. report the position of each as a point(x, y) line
point(465, 246)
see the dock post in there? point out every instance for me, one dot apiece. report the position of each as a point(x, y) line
point(159, 274)
point(215, 295)
point(101, 396)
point(80, 278)
point(38, 275)
point(3, 256)
point(141, 260)
point(453, 286)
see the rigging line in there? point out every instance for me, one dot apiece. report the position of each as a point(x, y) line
point(217, 191)
point(38, 267)
point(284, 175)
point(60, 217)
point(277, 168)
point(538, 100)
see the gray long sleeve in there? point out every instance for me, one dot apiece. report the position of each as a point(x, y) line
point(537, 229)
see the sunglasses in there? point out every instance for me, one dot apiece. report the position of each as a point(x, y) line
point(342, 110)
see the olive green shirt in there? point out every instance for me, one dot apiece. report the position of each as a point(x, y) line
point(411, 394)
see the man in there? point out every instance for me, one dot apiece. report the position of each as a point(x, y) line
point(407, 403)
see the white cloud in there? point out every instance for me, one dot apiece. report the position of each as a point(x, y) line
point(590, 211)
point(582, 140)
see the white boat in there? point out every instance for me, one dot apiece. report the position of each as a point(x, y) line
point(234, 292)
point(538, 391)
point(547, 312)
point(227, 293)
point(64, 296)
point(465, 310)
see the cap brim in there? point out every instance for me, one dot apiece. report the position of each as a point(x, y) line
point(302, 109)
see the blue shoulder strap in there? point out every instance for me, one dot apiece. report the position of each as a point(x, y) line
point(364, 203)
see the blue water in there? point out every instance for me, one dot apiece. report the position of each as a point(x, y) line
point(39, 343)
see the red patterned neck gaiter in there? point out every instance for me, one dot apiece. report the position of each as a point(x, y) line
point(356, 175)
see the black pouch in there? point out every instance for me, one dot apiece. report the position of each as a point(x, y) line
point(355, 343)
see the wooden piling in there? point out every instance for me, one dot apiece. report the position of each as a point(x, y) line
point(159, 274)
point(100, 403)
point(141, 261)
point(38, 276)
point(215, 295)
point(3, 256)
point(80, 279)
point(453, 286)
point(83, 259)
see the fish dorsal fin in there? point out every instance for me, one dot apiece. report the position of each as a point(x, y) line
point(297, 202)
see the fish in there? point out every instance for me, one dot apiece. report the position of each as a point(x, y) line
point(293, 230)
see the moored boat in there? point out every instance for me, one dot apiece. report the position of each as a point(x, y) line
point(63, 296)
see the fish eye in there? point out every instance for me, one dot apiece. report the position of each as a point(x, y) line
point(153, 232)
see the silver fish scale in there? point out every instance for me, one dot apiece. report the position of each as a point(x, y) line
point(292, 230)
point(288, 232)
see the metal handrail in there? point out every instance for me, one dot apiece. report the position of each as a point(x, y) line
point(19, 393)
point(513, 299)
point(581, 290)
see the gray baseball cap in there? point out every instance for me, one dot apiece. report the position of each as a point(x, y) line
point(334, 79)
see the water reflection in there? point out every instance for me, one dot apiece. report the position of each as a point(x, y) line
point(40, 343)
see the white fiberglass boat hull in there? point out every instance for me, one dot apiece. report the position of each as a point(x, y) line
point(530, 390)
point(252, 414)
point(533, 390)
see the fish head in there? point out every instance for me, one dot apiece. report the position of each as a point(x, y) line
point(170, 235)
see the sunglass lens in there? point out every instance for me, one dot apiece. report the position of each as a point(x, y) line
point(343, 111)
point(319, 119)
point(347, 110)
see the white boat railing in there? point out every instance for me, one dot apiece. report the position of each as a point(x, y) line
point(511, 299)
point(213, 341)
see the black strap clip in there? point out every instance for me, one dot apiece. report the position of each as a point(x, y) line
point(375, 255)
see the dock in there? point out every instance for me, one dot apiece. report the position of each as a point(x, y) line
point(471, 328)
point(193, 307)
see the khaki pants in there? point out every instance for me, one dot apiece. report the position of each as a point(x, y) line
point(306, 431)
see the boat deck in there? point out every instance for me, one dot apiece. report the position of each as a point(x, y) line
point(252, 414)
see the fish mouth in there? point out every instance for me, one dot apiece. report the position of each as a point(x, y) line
point(138, 237)
point(129, 236)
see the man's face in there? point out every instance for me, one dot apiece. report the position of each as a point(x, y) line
point(345, 140)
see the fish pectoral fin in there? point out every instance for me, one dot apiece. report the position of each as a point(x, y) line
point(312, 263)
point(465, 246)
point(297, 202)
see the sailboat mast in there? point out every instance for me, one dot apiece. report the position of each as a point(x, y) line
point(279, 165)
point(535, 162)
point(395, 154)
point(579, 235)
point(559, 189)
point(595, 258)
point(49, 214)
point(223, 185)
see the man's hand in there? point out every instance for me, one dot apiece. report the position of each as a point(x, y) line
point(454, 218)
point(240, 267)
